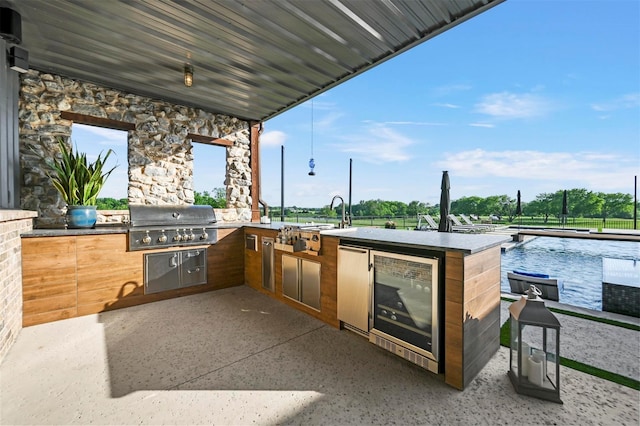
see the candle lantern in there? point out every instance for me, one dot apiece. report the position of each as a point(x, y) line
point(534, 359)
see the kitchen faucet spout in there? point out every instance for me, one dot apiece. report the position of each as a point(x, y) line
point(343, 221)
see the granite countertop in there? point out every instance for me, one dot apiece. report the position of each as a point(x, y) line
point(432, 240)
point(439, 241)
point(63, 232)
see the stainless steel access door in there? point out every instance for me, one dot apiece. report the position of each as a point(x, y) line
point(161, 272)
point(290, 285)
point(268, 278)
point(354, 283)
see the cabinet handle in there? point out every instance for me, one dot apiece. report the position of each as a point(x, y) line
point(355, 250)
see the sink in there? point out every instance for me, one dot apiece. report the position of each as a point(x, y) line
point(339, 230)
point(322, 227)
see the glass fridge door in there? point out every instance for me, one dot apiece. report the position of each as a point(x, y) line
point(405, 299)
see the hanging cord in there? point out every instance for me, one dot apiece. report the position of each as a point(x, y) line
point(312, 163)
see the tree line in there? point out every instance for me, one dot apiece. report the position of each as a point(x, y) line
point(217, 199)
point(580, 203)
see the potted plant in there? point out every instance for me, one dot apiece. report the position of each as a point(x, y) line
point(79, 183)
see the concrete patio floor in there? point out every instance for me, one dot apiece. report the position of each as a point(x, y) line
point(237, 357)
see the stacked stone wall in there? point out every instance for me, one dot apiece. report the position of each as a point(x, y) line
point(160, 156)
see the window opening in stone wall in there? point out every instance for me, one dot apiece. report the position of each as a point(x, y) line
point(93, 140)
point(209, 174)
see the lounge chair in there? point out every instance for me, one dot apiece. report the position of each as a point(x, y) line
point(521, 281)
point(430, 226)
point(459, 227)
point(468, 222)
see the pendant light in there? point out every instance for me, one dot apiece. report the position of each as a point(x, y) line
point(312, 164)
point(188, 75)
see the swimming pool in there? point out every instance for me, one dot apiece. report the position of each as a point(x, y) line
point(578, 262)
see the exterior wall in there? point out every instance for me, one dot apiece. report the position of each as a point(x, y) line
point(12, 224)
point(160, 158)
point(9, 169)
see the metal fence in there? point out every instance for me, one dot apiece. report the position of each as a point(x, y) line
point(410, 222)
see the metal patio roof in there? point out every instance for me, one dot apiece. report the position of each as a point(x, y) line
point(252, 59)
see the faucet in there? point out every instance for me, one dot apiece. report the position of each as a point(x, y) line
point(343, 221)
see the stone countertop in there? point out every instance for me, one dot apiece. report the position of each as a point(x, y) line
point(101, 229)
point(432, 240)
point(63, 232)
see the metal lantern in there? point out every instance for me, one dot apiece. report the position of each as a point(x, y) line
point(534, 359)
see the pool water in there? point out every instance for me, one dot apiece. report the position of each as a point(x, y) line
point(577, 262)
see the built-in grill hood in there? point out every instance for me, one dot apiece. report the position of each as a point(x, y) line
point(166, 226)
point(148, 215)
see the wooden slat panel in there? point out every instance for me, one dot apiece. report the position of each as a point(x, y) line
point(328, 281)
point(44, 317)
point(48, 279)
point(453, 355)
point(479, 307)
point(48, 304)
point(454, 312)
point(225, 259)
point(478, 263)
point(48, 260)
point(476, 285)
point(50, 288)
point(253, 259)
point(105, 263)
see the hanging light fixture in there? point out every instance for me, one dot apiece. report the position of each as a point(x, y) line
point(188, 75)
point(312, 164)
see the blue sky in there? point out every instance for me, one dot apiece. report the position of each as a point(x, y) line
point(531, 95)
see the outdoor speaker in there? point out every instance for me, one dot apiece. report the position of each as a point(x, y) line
point(10, 25)
point(18, 59)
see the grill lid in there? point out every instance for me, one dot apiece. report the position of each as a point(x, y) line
point(153, 215)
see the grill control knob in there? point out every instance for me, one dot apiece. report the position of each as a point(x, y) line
point(204, 235)
point(146, 239)
point(177, 237)
point(162, 238)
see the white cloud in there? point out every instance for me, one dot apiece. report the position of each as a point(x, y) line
point(102, 135)
point(378, 145)
point(450, 88)
point(593, 170)
point(487, 125)
point(413, 123)
point(508, 105)
point(273, 138)
point(446, 105)
point(626, 101)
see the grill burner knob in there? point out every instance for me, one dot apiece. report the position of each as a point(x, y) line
point(191, 236)
point(162, 238)
point(177, 237)
point(204, 235)
point(146, 239)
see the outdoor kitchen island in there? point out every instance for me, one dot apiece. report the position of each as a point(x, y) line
point(468, 280)
point(68, 273)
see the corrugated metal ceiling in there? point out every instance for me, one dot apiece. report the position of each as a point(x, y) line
point(253, 59)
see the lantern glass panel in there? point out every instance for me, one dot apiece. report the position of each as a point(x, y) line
point(513, 357)
point(552, 358)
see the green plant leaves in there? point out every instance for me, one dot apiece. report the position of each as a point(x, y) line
point(78, 181)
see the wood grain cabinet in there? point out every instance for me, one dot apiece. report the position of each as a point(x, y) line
point(68, 276)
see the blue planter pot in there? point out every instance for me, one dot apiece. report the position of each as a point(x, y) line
point(79, 217)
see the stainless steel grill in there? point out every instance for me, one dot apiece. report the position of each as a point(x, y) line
point(155, 227)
